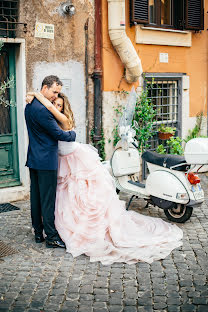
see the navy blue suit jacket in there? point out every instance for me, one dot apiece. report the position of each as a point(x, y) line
point(44, 134)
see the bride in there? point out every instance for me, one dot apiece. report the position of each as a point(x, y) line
point(89, 216)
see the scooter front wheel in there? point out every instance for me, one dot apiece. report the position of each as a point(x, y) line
point(180, 213)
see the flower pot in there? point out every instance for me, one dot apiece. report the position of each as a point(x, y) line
point(164, 135)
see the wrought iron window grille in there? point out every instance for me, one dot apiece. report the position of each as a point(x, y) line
point(9, 24)
point(165, 94)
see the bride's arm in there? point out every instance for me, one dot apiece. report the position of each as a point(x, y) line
point(62, 119)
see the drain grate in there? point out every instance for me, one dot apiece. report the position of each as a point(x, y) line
point(7, 207)
point(6, 250)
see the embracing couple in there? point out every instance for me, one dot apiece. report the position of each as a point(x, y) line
point(73, 198)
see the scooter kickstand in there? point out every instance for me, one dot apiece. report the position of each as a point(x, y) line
point(129, 203)
point(147, 205)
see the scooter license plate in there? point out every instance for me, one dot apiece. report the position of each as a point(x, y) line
point(197, 190)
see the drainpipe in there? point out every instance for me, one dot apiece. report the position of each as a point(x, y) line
point(97, 76)
point(87, 78)
point(207, 78)
point(121, 42)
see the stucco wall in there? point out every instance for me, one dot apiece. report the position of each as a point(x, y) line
point(192, 60)
point(65, 54)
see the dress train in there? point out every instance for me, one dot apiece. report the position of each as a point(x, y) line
point(92, 220)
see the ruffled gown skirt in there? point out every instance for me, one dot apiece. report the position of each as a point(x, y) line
point(92, 220)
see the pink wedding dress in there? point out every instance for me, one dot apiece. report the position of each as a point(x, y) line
point(92, 220)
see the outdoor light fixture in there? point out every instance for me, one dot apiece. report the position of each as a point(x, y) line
point(68, 8)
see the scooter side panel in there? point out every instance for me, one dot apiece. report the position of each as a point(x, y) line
point(165, 185)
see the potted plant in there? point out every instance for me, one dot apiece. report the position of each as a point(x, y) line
point(165, 132)
point(173, 147)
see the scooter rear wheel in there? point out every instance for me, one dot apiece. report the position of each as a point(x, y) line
point(180, 213)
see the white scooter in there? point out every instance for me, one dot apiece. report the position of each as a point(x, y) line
point(171, 184)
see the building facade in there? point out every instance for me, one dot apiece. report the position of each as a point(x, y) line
point(100, 49)
point(171, 41)
point(41, 38)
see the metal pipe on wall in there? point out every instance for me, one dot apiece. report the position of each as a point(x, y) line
point(87, 78)
point(121, 42)
point(97, 75)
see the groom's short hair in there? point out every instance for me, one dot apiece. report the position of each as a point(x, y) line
point(49, 81)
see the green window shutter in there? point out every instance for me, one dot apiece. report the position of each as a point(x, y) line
point(139, 11)
point(194, 14)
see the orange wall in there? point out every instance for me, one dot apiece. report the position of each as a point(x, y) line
point(190, 60)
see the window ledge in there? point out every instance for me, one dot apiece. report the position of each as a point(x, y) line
point(163, 36)
point(165, 29)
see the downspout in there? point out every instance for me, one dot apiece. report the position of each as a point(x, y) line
point(121, 42)
point(207, 77)
point(97, 76)
point(87, 78)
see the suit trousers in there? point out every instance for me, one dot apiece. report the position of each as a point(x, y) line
point(42, 198)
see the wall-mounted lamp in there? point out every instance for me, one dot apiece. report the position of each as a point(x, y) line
point(68, 8)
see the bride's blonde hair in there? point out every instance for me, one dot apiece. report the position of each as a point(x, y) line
point(67, 110)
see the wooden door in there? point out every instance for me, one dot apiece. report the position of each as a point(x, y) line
point(9, 167)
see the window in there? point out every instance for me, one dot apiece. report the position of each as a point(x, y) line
point(165, 94)
point(176, 14)
point(9, 24)
point(160, 12)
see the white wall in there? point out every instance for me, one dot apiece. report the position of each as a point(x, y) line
point(71, 73)
point(188, 122)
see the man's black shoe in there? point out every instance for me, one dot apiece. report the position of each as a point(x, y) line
point(55, 244)
point(39, 239)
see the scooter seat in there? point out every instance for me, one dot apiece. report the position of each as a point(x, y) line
point(166, 160)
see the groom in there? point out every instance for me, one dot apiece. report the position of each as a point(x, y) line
point(42, 160)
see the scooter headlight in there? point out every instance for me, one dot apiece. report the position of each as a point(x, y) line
point(182, 196)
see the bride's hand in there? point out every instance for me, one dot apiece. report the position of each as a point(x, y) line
point(29, 98)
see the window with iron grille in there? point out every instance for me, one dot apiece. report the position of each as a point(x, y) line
point(176, 14)
point(165, 95)
point(8, 18)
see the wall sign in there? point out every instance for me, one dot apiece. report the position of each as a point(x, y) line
point(163, 57)
point(44, 30)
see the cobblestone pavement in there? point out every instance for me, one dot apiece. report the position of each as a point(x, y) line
point(40, 279)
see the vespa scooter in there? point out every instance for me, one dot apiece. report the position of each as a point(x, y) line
point(170, 184)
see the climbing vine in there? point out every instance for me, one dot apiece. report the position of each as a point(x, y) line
point(100, 144)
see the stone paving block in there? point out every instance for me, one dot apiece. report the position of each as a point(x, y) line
point(115, 301)
point(71, 303)
point(100, 291)
point(116, 287)
point(85, 309)
point(86, 289)
point(188, 307)
point(115, 308)
point(61, 283)
point(130, 309)
point(86, 297)
point(116, 294)
point(99, 305)
point(174, 308)
point(66, 309)
point(129, 302)
point(202, 308)
point(102, 298)
point(145, 309)
point(160, 305)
